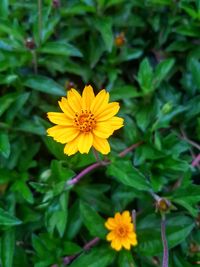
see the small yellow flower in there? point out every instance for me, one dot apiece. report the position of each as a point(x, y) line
point(86, 121)
point(122, 232)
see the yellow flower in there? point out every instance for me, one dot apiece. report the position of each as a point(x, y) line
point(122, 233)
point(85, 121)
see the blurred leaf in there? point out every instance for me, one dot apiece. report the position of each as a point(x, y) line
point(6, 219)
point(61, 48)
point(23, 190)
point(162, 70)
point(126, 259)
point(149, 236)
point(6, 101)
point(100, 256)
point(105, 28)
point(4, 14)
point(44, 84)
point(145, 76)
point(93, 221)
point(56, 215)
point(187, 197)
point(123, 92)
point(195, 70)
point(17, 105)
point(7, 248)
point(11, 30)
point(4, 145)
point(125, 172)
point(71, 248)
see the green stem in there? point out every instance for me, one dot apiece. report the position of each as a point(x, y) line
point(35, 62)
point(40, 21)
point(164, 241)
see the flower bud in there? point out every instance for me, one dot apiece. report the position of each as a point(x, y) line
point(163, 205)
point(120, 39)
point(30, 44)
point(69, 85)
point(56, 3)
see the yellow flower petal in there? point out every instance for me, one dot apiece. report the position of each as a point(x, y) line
point(122, 231)
point(115, 122)
point(109, 111)
point(87, 97)
point(110, 224)
point(132, 238)
point(86, 120)
point(102, 130)
point(71, 148)
point(74, 100)
point(85, 142)
point(118, 217)
point(110, 236)
point(64, 105)
point(62, 134)
point(126, 244)
point(126, 216)
point(59, 118)
point(116, 244)
point(101, 145)
point(100, 102)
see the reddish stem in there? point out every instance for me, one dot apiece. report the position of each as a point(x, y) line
point(86, 171)
point(68, 259)
point(196, 161)
point(98, 164)
point(164, 241)
point(129, 149)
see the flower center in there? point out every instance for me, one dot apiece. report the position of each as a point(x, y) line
point(122, 231)
point(85, 121)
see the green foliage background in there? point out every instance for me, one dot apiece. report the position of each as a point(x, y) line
point(155, 75)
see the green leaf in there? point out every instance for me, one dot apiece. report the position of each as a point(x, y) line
point(54, 148)
point(4, 145)
point(123, 92)
point(23, 189)
point(31, 126)
point(7, 248)
point(12, 30)
point(4, 8)
point(145, 76)
point(61, 48)
point(178, 228)
point(162, 70)
point(104, 26)
point(127, 174)
point(195, 70)
point(6, 219)
point(17, 105)
point(100, 256)
point(126, 259)
point(59, 172)
point(56, 215)
point(38, 245)
point(71, 248)
point(187, 197)
point(6, 101)
point(44, 84)
point(92, 220)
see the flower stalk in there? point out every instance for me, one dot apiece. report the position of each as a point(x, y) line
point(164, 241)
point(196, 161)
point(85, 172)
point(98, 164)
point(40, 21)
point(68, 259)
